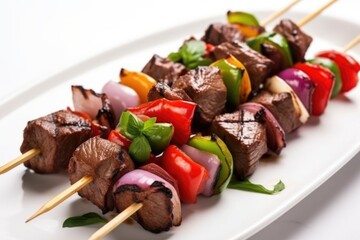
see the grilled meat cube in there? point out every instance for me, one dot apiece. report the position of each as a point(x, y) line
point(57, 135)
point(282, 107)
point(163, 69)
point(106, 162)
point(156, 213)
point(298, 41)
point(258, 66)
point(244, 134)
point(162, 90)
point(204, 85)
point(275, 134)
point(218, 33)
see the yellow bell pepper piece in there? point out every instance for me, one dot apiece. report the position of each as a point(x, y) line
point(140, 82)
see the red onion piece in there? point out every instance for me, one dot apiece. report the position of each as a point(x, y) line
point(209, 161)
point(121, 97)
point(301, 84)
point(144, 179)
point(277, 85)
point(87, 100)
point(274, 132)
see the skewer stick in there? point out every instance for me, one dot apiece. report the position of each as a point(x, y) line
point(62, 196)
point(19, 160)
point(275, 15)
point(352, 43)
point(308, 18)
point(107, 228)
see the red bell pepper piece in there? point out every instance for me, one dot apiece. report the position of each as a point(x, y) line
point(191, 176)
point(323, 80)
point(348, 66)
point(177, 112)
point(116, 137)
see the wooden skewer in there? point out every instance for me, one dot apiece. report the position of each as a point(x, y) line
point(62, 196)
point(275, 15)
point(116, 221)
point(19, 160)
point(308, 18)
point(352, 43)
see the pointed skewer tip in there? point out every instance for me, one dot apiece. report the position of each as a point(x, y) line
point(77, 186)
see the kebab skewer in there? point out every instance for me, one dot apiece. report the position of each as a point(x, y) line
point(261, 154)
point(35, 152)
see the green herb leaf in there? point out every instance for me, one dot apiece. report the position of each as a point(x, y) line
point(175, 56)
point(130, 125)
point(140, 149)
point(135, 125)
point(246, 185)
point(191, 54)
point(84, 220)
point(159, 136)
point(149, 123)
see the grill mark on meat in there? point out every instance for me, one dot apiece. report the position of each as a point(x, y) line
point(56, 135)
point(155, 199)
point(245, 136)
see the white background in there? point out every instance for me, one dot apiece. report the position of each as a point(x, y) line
point(39, 39)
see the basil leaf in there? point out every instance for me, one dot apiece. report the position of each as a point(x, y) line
point(84, 220)
point(191, 54)
point(175, 57)
point(246, 185)
point(159, 136)
point(135, 125)
point(149, 123)
point(140, 149)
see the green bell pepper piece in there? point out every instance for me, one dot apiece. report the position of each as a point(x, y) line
point(242, 18)
point(232, 77)
point(213, 144)
point(333, 67)
point(276, 40)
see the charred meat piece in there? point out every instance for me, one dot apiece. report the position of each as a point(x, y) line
point(244, 134)
point(275, 56)
point(282, 107)
point(57, 135)
point(298, 41)
point(204, 85)
point(218, 33)
point(163, 69)
point(258, 66)
point(161, 203)
point(275, 134)
point(96, 105)
point(162, 90)
point(105, 162)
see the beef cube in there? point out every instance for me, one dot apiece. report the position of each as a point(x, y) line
point(162, 90)
point(282, 107)
point(258, 66)
point(163, 69)
point(218, 33)
point(156, 199)
point(105, 162)
point(298, 41)
point(57, 135)
point(205, 87)
point(245, 135)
